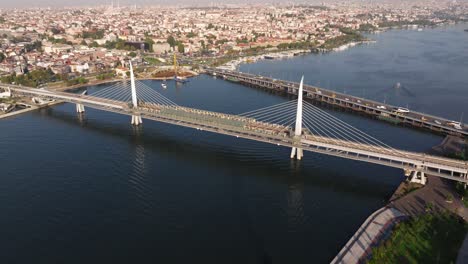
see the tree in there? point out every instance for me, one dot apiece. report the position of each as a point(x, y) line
point(150, 42)
point(132, 54)
point(181, 47)
point(171, 41)
point(2, 57)
point(191, 35)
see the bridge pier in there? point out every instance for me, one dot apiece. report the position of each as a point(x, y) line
point(136, 120)
point(417, 177)
point(80, 108)
point(297, 152)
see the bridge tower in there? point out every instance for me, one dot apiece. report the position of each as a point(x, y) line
point(136, 119)
point(298, 152)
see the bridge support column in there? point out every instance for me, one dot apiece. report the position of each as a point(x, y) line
point(80, 108)
point(298, 152)
point(136, 120)
point(418, 177)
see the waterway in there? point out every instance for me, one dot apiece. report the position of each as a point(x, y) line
point(96, 189)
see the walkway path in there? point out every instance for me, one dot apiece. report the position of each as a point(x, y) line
point(368, 235)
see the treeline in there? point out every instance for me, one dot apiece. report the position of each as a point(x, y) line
point(349, 36)
point(421, 22)
point(31, 79)
point(105, 76)
point(76, 81)
point(296, 45)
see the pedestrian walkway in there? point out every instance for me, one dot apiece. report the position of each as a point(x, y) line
point(375, 228)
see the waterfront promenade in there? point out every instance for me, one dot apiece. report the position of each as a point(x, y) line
point(377, 226)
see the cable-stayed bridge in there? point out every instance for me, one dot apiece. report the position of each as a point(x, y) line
point(296, 124)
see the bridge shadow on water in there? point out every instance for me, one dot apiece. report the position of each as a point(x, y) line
point(262, 160)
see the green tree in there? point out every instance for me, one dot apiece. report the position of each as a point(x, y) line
point(181, 47)
point(132, 54)
point(2, 57)
point(171, 40)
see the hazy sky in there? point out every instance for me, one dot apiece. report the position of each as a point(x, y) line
point(68, 3)
point(62, 3)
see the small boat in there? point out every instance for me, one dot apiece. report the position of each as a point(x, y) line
point(397, 85)
point(164, 85)
point(180, 79)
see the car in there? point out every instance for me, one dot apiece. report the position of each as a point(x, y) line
point(347, 99)
point(438, 122)
point(359, 101)
point(402, 110)
point(455, 124)
point(381, 107)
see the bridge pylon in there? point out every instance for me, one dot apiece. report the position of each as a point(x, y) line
point(136, 119)
point(295, 151)
point(79, 107)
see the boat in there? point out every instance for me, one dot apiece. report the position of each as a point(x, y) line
point(164, 85)
point(397, 85)
point(180, 79)
point(269, 57)
point(466, 30)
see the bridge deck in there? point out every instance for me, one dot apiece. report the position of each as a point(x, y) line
point(252, 129)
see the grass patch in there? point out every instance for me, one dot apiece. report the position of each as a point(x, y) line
point(430, 238)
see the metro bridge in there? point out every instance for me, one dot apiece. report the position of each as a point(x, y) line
point(296, 124)
point(373, 108)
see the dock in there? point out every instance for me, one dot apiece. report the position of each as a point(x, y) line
point(374, 109)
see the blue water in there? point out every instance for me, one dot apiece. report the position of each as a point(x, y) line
point(96, 189)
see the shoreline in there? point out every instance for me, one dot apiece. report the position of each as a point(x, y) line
point(80, 86)
point(405, 202)
point(29, 109)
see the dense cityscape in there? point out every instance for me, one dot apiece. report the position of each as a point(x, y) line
point(325, 132)
point(91, 40)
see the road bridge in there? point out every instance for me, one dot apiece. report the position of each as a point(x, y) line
point(296, 124)
point(373, 108)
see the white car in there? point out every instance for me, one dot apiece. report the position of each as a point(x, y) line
point(347, 99)
point(456, 125)
point(437, 122)
point(381, 107)
point(402, 110)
